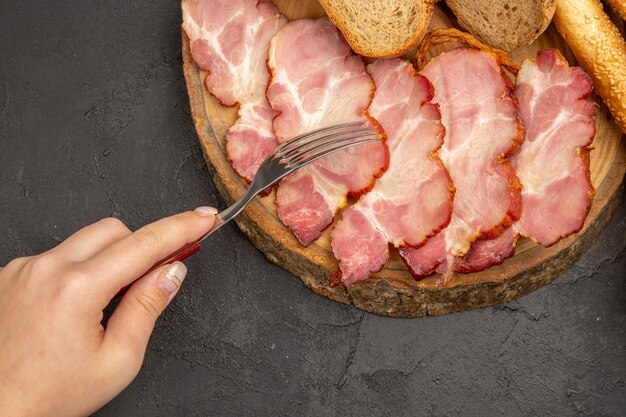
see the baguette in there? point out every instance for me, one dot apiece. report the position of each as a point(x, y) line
point(599, 49)
point(380, 28)
point(504, 24)
point(619, 6)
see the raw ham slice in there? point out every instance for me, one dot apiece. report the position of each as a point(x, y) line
point(317, 82)
point(413, 199)
point(230, 39)
point(553, 163)
point(482, 131)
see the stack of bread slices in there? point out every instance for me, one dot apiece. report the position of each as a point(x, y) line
point(388, 28)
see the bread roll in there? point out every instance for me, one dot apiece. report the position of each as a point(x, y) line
point(599, 49)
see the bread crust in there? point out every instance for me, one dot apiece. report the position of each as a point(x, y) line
point(506, 41)
point(599, 49)
point(392, 50)
point(439, 36)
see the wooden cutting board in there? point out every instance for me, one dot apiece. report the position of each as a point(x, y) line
point(392, 291)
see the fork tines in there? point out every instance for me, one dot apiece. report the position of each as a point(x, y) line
point(311, 146)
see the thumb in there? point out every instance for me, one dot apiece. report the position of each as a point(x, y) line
point(132, 322)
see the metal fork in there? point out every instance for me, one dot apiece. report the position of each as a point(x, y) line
point(290, 156)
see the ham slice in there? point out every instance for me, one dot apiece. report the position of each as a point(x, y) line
point(230, 39)
point(553, 163)
point(484, 253)
point(482, 131)
point(413, 199)
point(316, 81)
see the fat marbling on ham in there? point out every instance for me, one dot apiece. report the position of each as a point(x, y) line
point(316, 81)
point(553, 163)
point(413, 199)
point(482, 131)
point(230, 39)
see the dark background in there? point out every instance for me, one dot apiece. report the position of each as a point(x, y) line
point(94, 122)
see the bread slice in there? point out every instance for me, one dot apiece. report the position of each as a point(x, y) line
point(380, 28)
point(504, 24)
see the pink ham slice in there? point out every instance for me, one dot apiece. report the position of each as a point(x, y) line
point(317, 82)
point(553, 163)
point(488, 252)
point(426, 259)
point(482, 131)
point(483, 253)
point(413, 199)
point(230, 39)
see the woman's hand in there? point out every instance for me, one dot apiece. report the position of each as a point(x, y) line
point(55, 356)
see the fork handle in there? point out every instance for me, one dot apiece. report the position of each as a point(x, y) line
point(184, 252)
point(189, 248)
point(220, 220)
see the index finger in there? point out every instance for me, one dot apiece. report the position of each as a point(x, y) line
point(129, 258)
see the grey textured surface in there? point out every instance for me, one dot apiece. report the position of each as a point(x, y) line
point(94, 121)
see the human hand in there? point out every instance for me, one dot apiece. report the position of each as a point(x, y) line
point(57, 359)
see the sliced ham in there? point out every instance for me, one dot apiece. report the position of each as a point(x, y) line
point(482, 131)
point(426, 259)
point(484, 253)
point(316, 81)
point(230, 40)
point(553, 163)
point(413, 199)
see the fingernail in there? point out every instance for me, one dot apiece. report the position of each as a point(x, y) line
point(173, 277)
point(205, 211)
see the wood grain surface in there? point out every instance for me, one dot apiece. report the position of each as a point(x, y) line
point(392, 291)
